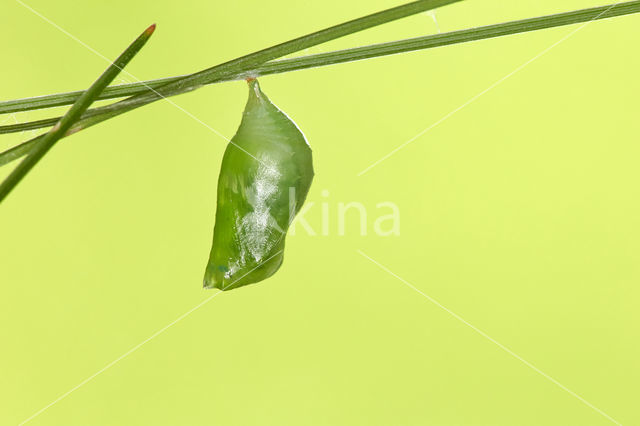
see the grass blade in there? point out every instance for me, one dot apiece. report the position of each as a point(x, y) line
point(97, 115)
point(68, 98)
point(176, 85)
point(347, 55)
point(74, 113)
point(31, 125)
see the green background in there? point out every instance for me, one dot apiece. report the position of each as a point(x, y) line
point(519, 213)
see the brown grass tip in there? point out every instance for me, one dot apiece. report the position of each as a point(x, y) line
point(150, 30)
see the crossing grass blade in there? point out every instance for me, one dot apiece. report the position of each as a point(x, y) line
point(47, 141)
point(150, 91)
point(347, 55)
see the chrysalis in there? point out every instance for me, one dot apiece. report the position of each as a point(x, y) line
point(264, 179)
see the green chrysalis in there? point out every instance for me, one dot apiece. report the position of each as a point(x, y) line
point(265, 175)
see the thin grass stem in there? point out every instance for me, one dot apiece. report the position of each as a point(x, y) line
point(347, 55)
point(142, 90)
point(47, 141)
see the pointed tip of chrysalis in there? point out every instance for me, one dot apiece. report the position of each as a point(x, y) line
point(208, 283)
point(150, 30)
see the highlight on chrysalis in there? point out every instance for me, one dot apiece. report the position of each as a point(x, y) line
point(264, 179)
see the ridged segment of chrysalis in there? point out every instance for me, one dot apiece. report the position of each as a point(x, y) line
point(264, 179)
